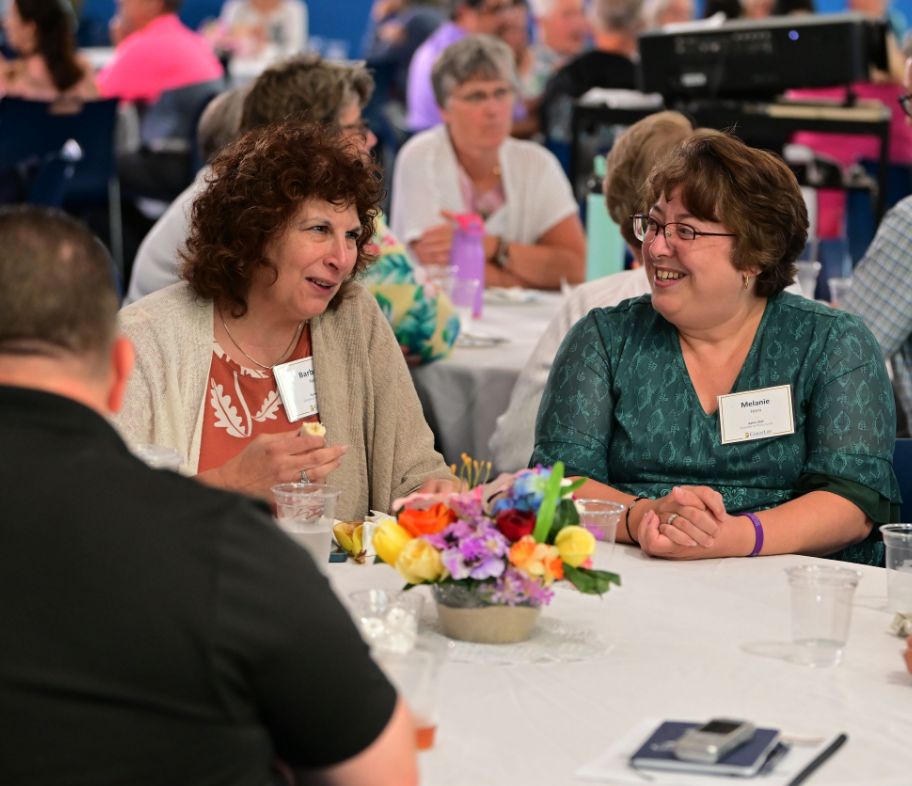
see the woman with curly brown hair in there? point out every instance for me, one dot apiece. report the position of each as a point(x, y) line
point(732, 418)
point(269, 329)
point(42, 33)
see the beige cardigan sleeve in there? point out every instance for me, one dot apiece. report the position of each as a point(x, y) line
point(171, 332)
point(368, 402)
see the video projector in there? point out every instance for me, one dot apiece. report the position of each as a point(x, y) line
point(761, 58)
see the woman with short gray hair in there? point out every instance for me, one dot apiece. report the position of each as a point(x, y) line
point(533, 235)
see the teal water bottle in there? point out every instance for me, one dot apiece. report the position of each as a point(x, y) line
point(604, 244)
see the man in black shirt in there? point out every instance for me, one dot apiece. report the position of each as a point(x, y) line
point(154, 630)
point(616, 25)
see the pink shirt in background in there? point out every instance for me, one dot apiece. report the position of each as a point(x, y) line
point(163, 55)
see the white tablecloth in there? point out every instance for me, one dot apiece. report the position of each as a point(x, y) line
point(689, 640)
point(464, 394)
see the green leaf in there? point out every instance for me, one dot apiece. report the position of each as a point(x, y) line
point(566, 515)
point(569, 489)
point(591, 582)
point(549, 503)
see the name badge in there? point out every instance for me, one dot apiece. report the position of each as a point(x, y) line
point(295, 382)
point(756, 414)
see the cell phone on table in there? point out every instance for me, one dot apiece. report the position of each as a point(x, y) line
point(723, 746)
point(713, 740)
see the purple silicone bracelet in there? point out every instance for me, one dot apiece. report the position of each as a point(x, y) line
point(758, 533)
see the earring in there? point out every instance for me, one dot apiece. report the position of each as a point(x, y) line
point(747, 281)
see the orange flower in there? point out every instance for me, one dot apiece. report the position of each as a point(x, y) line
point(521, 551)
point(538, 560)
point(426, 522)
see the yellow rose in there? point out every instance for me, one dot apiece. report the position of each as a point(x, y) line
point(575, 545)
point(419, 561)
point(389, 540)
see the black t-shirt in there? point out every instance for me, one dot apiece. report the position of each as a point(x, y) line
point(590, 69)
point(155, 631)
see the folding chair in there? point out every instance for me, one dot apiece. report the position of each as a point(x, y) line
point(42, 131)
point(902, 466)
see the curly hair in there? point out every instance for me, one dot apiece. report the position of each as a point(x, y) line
point(55, 27)
point(750, 191)
point(257, 186)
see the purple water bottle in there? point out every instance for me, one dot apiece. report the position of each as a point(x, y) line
point(467, 255)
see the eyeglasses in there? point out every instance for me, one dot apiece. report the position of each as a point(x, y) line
point(359, 127)
point(904, 102)
point(478, 97)
point(645, 229)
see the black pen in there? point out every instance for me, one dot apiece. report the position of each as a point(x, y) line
point(825, 754)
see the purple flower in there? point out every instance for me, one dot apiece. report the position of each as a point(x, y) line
point(515, 588)
point(488, 568)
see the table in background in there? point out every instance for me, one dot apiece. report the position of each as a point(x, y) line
point(682, 641)
point(464, 394)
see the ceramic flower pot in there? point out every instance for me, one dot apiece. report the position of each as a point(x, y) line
point(465, 617)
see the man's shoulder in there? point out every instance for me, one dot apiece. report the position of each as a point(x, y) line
point(603, 67)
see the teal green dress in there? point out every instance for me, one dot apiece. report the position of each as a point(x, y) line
point(619, 407)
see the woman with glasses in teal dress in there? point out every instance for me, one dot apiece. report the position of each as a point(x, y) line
point(734, 419)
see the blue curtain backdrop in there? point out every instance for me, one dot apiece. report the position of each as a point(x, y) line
point(330, 20)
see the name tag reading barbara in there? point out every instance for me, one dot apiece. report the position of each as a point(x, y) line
point(295, 382)
point(756, 414)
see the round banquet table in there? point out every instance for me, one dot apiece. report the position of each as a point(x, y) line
point(464, 394)
point(679, 640)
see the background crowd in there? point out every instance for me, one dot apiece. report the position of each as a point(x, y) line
point(257, 285)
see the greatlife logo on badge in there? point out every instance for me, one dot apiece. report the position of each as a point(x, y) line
point(756, 414)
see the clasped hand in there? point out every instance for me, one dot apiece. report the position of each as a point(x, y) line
point(683, 523)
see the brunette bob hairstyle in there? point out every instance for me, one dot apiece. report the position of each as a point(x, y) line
point(752, 192)
point(257, 186)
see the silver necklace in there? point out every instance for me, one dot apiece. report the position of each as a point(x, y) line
point(294, 340)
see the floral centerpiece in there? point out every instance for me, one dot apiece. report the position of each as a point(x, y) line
point(499, 550)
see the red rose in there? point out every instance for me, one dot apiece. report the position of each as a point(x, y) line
point(514, 524)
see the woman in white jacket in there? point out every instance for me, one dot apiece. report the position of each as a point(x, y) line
point(533, 234)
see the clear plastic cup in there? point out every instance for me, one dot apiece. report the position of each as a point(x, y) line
point(839, 287)
point(299, 511)
point(388, 620)
point(416, 675)
point(821, 612)
point(330, 497)
point(807, 277)
point(601, 518)
point(898, 542)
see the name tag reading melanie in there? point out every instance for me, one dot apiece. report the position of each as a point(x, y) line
point(295, 382)
point(756, 414)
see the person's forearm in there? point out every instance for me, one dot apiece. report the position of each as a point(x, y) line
point(539, 267)
point(816, 524)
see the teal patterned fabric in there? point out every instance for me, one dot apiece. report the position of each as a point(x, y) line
point(619, 407)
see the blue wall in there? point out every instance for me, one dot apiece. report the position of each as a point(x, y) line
point(342, 20)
